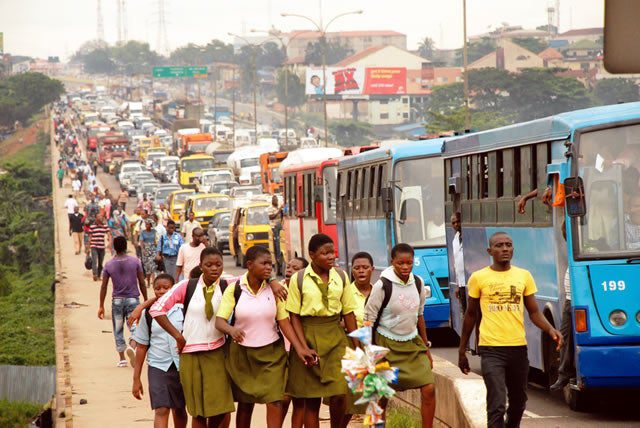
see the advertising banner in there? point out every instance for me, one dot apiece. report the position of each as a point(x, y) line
point(349, 81)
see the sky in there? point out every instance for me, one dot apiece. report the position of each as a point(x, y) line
point(58, 27)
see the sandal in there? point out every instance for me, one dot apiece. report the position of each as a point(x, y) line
point(122, 363)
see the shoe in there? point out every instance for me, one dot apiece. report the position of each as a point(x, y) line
point(560, 384)
point(131, 355)
point(122, 363)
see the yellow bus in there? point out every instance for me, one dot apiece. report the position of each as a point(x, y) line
point(175, 202)
point(204, 206)
point(190, 167)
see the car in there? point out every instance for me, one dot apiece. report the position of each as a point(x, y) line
point(162, 192)
point(147, 187)
point(219, 230)
point(168, 164)
point(210, 177)
point(223, 186)
point(127, 171)
point(136, 179)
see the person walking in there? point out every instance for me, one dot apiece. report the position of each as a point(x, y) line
point(275, 222)
point(189, 253)
point(125, 273)
point(189, 225)
point(458, 262)
point(98, 231)
point(92, 209)
point(395, 308)
point(501, 292)
point(60, 175)
point(148, 244)
point(76, 230)
point(123, 198)
point(70, 204)
point(168, 247)
point(163, 214)
point(118, 227)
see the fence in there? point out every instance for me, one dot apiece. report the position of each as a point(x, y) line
point(35, 384)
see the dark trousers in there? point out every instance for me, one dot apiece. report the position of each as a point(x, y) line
point(567, 369)
point(505, 370)
point(97, 257)
point(463, 299)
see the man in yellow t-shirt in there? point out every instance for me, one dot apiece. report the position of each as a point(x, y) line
point(501, 292)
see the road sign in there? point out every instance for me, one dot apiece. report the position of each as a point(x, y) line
point(171, 72)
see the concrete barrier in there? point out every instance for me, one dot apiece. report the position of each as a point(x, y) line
point(460, 399)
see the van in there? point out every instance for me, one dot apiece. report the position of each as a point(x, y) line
point(249, 226)
point(175, 203)
point(204, 206)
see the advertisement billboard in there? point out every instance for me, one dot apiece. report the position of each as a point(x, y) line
point(1, 43)
point(347, 81)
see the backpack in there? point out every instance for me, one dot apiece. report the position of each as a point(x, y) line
point(387, 288)
point(300, 277)
point(191, 288)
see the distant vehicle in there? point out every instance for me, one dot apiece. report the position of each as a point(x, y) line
point(243, 137)
point(288, 139)
point(136, 179)
point(245, 193)
point(168, 164)
point(249, 226)
point(127, 171)
point(270, 171)
point(135, 110)
point(163, 191)
point(218, 230)
point(269, 144)
point(204, 206)
point(244, 162)
point(190, 167)
point(125, 125)
point(195, 143)
point(149, 188)
point(175, 202)
point(308, 143)
point(223, 187)
point(208, 178)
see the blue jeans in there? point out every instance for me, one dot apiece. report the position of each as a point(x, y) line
point(121, 308)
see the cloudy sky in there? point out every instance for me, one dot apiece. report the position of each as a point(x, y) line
point(59, 27)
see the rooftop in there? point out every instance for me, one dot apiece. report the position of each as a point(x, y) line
point(358, 56)
point(581, 32)
point(550, 53)
point(308, 34)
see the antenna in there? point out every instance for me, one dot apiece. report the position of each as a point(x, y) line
point(162, 42)
point(100, 24)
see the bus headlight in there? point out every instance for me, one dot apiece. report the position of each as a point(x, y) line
point(250, 236)
point(638, 316)
point(617, 318)
point(428, 290)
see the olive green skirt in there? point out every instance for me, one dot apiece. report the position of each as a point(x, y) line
point(414, 369)
point(258, 375)
point(327, 337)
point(206, 385)
point(355, 409)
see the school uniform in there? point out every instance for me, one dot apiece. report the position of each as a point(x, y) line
point(398, 329)
point(163, 360)
point(320, 308)
point(205, 383)
point(257, 366)
point(361, 300)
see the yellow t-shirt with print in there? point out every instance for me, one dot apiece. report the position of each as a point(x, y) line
point(340, 297)
point(501, 297)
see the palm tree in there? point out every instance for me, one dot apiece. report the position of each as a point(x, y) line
point(426, 47)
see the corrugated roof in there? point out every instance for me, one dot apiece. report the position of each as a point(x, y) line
point(550, 53)
point(582, 32)
point(358, 56)
point(308, 34)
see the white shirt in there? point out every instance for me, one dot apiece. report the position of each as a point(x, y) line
point(567, 285)
point(70, 204)
point(76, 185)
point(458, 260)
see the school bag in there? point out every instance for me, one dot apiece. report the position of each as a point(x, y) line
point(300, 277)
point(191, 288)
point(387, 288)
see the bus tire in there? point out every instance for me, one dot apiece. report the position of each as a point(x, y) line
point(241, 260)
point(577, 400)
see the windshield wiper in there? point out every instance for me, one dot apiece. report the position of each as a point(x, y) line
point(633, 259)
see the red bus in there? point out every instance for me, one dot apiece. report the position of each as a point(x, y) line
point(310, 204)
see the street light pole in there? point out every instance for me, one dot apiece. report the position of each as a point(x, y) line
point(465, 63)
point(322, 29)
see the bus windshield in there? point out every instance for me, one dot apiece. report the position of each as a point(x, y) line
point(192, 165)
point(245, 163)
point(419, 213)
point(329, 178)
point(206, 204)
point(257, 216)
point(609, 164)
point(181, 197)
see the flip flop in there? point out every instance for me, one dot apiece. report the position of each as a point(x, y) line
point(122, 363)
point(131, 355)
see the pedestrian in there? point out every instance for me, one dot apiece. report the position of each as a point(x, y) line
point(275, 222)
point(256, 356)
point(70, 204)
point(126, 277)
point(123, 198)
point(137, 229)
point(148, 245)
point(60, 175)
point(361, 272)
point(189, 225)
point(146, 204)
point(206, 385)
point(118, 227)
point(458, 262)
point(395, 308)
point(97, 233)
point(76, 186)
point(165, 389)
point(501, 292)
point(76, 230)
point(92, 209)
point(163, 214)
point(168, 246)
point(189, 253)
point(318, 296)
point(160, 228)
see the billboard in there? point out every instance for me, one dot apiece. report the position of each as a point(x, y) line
point(1, 43)
point(357, 81)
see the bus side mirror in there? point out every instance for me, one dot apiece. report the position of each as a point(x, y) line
point(574, 199)
point(454, 185)
point(387, 199)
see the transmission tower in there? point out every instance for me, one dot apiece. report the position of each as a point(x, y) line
point(122, 21)
point(162, 42)
point(100, 26)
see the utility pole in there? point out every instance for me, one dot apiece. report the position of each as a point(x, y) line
point(100, 23)
point(233, 105)
point(465, 60)
point(215, 102)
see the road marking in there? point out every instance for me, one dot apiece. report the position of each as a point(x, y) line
point(532, 415)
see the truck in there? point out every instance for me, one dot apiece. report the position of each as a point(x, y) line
point(113, 147)
point(245, 163)
point(270, 171)
point(195, 143)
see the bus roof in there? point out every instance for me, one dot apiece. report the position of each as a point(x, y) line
point(196, 156)
point(311, 165)
point(405, 150)
point(550, 128)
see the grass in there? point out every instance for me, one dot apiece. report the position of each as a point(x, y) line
point(32, 155)
point(401, 417)
point(17, 414)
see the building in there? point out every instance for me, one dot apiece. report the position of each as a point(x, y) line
point(384, 56)
point(572, 36)
point(507, 32)
point(508, 56)
point(356, 40)
point(551, 57)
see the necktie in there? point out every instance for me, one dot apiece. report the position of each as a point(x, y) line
point(208, 306)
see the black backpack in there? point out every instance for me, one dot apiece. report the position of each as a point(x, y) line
point(387, 288)
point(300, 278)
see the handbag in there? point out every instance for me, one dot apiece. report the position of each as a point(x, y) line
point(88, 262)
point(160, 263)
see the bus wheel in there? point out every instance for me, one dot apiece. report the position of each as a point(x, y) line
point(242, 262)
point(577, 400)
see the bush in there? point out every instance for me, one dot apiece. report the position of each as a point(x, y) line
point(401, 417)
point(17, 414)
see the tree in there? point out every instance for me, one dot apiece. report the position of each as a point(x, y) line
point(426, 48)
point(214, 51)
point(295, 89)
point(98, 61)
point(334, 50)
point(135, 57)
point(532, 44)
point(350, 132)
point(612, 91)
point(490, 87)
point(270, 55)
point(446, 98)
point(454, 120)
point(476, 50)
point(23, 95)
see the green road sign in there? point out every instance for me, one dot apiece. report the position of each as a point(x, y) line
point(169, 72)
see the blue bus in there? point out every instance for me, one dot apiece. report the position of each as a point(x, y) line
point(591, 161)
point(394, 194)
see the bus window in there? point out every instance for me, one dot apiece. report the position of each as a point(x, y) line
point(419, 212)
point(371, 200)
point(349, 197)
point(330, 191)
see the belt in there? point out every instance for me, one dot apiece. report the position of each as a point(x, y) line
point(169, 255)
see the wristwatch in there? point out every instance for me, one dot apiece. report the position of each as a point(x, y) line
point(428, 344)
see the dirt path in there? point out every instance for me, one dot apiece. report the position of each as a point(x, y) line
point(21, 139)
